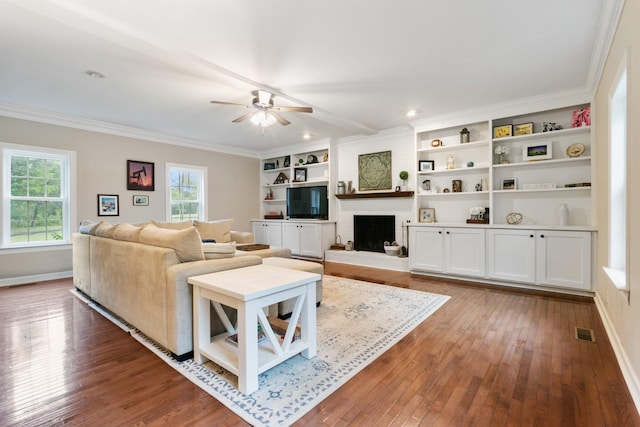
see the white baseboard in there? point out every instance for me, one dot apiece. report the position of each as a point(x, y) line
point(628, 373)
point(13, 281)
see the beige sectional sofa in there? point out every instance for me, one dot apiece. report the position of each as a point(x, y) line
point(139, 271)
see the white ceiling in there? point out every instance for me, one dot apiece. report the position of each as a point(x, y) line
point(360, 64)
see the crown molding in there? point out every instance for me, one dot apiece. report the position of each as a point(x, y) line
point(42, 116)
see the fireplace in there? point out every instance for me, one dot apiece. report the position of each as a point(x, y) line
point(371, 231)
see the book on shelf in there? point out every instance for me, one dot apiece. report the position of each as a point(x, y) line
point(578, 184)
point(233, 338)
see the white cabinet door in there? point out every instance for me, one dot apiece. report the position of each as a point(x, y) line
point(426, 249)
point(464, 251)
point(267, 233)
point(310, 240)
point(511, 255)
point(564, 259)
point(291, 237)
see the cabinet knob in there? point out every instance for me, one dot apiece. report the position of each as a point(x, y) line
point(542, 236)
point(448, 232)
point(439, 232)
point(531, 235)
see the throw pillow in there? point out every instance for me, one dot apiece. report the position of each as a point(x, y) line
point(173, 225)
point(127, 232)
point(185, 242)
point(105, 229)
point(88, 227)
point(218, 250)
point(220, 230)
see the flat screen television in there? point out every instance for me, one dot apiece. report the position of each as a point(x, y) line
point(307, 202)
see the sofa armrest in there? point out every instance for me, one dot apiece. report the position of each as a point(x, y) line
point(242, 236)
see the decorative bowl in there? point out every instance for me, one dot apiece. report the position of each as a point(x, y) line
point(392, 250)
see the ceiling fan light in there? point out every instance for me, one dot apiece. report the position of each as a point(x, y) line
point(263, 118)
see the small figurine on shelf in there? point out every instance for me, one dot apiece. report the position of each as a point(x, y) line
point(451, 163)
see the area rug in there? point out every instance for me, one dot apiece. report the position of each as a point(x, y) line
point(357, 322)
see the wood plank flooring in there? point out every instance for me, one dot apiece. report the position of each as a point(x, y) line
point(489, 357)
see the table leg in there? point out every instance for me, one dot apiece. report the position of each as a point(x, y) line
point(247, 347)
point(201, 324)
point(308, 322)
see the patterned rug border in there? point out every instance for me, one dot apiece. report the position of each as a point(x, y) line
point(249, 408)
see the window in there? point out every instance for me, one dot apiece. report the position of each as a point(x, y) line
point(617, 267)
point(36, 202)
point(186, 188)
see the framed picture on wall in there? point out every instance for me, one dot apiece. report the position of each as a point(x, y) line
point(108, 205)
point(139, 200)
point(140, 176)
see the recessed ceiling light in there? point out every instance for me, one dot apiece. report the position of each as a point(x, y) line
point(306, 135)
point(94, 74)
point(411, 113)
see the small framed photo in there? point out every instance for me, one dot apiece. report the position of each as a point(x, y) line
point(269, 165)
point(509, 184)
point(108, 205)
point(299, 175)
point(503, 131)
point(427, 215)
point(536, 151)
point(287, 161)
point(139, 200)
point(140, 176)
point(523, 129)
point(426, 185)
point(426, 165)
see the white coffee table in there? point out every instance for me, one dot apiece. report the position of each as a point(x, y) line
point(249, 290)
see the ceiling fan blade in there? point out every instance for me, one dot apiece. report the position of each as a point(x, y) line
point(264, 97)
point(280, 119)
point(295, 109)
point(243, 117)
point(227, 103)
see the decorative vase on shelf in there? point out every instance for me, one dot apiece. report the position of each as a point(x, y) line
point(563, 214)
point(500, 159)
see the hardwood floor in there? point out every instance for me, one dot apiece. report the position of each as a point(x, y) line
point(488, 357)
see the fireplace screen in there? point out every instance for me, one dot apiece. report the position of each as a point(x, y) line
point(371, 231)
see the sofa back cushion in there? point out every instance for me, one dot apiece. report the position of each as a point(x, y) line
point(105, 229)
point(186, 243)
point(220, 230)
point(127, 232)
point(173, 225)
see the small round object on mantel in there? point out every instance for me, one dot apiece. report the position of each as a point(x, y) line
point(514, 218)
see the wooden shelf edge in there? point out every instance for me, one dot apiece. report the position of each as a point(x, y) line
point(375, 195)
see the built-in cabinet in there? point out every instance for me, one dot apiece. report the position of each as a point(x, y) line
point(306, 239)
point(451, 250)
point(542, 257)
point(267, 232)
point(288, 170)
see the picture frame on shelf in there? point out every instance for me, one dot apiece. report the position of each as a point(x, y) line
point(523, 129)
point(537, 151)
point(426, 165)
point(287, 161)
point(139, 200)
point(502, 131)
point(510, 184)
point(269, 166)
point(108, 205)
point(427, 215)
point(140, 176)
point(299, 175)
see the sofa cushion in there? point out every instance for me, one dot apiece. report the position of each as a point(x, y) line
point(127, 232)
point(218, 250)
point(220, 230)
point(173, 225)
point(185, 242)
point(88, 227)
point(105, 229)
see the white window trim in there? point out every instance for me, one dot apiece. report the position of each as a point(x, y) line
point(619, 276)
point(69, 157)
point(203, 190)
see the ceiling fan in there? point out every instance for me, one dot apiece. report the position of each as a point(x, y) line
point(265, 113)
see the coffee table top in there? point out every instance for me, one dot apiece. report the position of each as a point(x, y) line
point(252, 282)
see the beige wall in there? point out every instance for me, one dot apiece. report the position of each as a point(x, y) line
point(101, 162)
point(622, 314)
